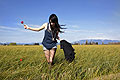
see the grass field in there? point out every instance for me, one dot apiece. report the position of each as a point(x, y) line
point(92, 62)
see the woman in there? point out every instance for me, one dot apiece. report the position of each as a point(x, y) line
point(51, 34)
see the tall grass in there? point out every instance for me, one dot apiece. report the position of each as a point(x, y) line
point(91, 62)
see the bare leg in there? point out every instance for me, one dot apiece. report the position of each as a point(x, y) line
point(52, 54)
point(47, 55)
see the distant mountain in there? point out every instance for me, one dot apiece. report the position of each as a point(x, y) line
point(1, 43)
point(100, 41)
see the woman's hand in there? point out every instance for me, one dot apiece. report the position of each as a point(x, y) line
point(26, 27)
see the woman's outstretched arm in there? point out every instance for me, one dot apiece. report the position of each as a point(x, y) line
point(36, 29)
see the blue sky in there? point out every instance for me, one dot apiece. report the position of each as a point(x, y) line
point(84, 19)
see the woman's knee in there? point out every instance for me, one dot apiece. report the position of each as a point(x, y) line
point(53, 50)
point(47, 52)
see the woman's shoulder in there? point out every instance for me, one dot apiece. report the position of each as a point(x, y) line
point(45, 24)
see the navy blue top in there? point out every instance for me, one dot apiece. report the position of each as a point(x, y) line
point(48, 41)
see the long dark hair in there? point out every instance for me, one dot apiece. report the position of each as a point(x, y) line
point(54, 19)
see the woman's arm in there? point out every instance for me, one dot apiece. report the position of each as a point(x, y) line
point(36, 29)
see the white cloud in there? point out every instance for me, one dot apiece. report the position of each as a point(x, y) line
point(74, 26)
point(100, 33)
point(75, 31)
point(31, 25)
point(17, 34)
point(92, 37)
point(70, 34)
point(74, 35)
point(6, 28)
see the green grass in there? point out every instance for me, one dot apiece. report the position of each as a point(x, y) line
point(91, 62)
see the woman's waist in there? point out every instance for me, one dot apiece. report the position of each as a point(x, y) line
point(49, 41)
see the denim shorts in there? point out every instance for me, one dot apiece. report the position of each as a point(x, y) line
point(44, 48)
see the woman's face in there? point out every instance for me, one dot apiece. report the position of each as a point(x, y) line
point(52, 24)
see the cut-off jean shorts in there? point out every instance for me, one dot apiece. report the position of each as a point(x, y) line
point(44, 48)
